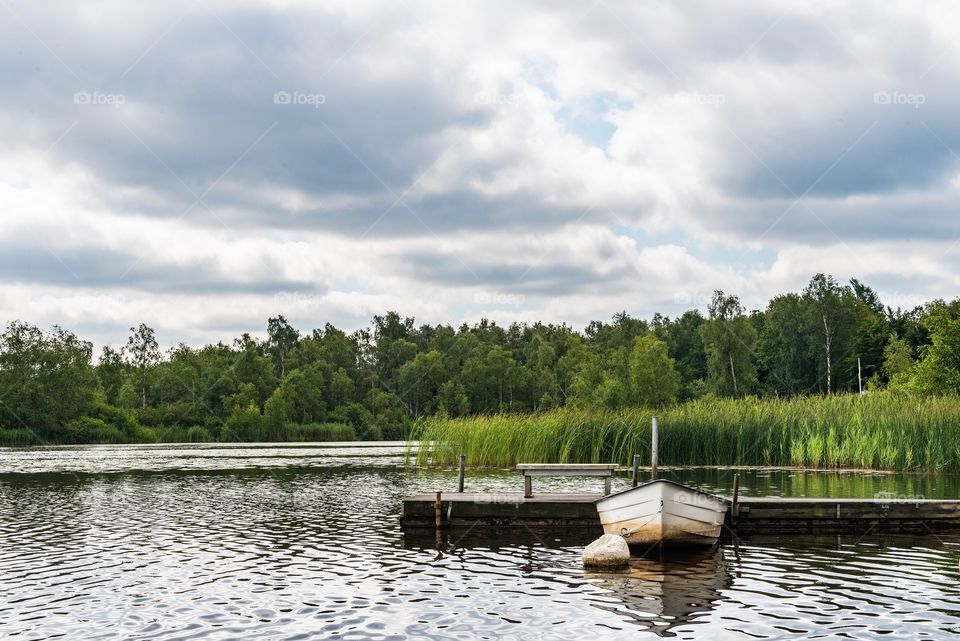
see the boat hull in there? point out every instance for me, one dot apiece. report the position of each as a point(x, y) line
point(662, 511)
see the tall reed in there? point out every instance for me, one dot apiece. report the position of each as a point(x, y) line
point(879, 430)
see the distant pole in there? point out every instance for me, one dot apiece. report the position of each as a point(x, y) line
point(463, 468)
point(653, 450)
point(636, 470)
point(859, 375)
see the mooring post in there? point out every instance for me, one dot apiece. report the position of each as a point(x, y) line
point(463, 468)
point(438, 510)
point(653, 450)
point(636, 470)
point(736, 498)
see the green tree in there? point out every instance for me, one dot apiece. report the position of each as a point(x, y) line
point(453, 398)
point(276, 413)
point(342, 389)
point(390, 357)
point(250, 367)
point(617, 334)
point(685, 345)
point(244, 395)
point(728, 338)
point(654, 380)
point(542, 377)
point(305, 389)
point(832, 312)
point(898, 362)
point(111, 370)
point(47, 380)
point(897, 357)
point(245, 424)
point(143, 353)
point(783, 347)
point(128, 397)
point(419, 382)
point(938, 371)
point(281, 338)
point(500, 365)
point(576, 356)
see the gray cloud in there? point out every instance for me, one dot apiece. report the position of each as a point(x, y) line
point(852, 105)
point(101, 267)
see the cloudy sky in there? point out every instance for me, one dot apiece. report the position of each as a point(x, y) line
point(201, 165)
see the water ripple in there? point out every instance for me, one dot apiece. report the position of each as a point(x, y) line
point(232, 551)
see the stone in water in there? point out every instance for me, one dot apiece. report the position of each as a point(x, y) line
point(609, 551)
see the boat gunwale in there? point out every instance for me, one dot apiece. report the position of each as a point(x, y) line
point(722, 499)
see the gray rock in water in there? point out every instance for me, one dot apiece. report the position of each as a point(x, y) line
point(609, 551)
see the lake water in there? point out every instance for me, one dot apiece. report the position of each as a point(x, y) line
point(303, 542)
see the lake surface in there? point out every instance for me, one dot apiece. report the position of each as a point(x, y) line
point(302, 542)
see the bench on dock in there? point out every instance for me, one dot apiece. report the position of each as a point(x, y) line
point(565, 469)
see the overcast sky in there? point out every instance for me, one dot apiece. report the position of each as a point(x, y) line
point(202, 165)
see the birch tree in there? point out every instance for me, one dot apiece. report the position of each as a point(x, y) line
point(143, 353)
point(832, 309)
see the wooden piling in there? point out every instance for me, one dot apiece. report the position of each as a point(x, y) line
point(463, 470)
point(735, 507)
point(438, 511)
point(653, 448)
point(636, 470)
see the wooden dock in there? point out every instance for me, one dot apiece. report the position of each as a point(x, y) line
point(756, 515)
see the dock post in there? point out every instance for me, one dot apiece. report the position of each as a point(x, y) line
point(463, 467)
point(636, 470)
point(438, 510)
point(653, 449)
point(736, 498)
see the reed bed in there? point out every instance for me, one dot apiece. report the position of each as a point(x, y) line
point(96, 432)
point(878, 431)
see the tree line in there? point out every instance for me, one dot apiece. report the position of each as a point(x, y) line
point(828, 338)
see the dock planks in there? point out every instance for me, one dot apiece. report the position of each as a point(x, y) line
point(757, 515)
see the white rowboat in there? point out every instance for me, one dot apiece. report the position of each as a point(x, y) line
point(663, 511)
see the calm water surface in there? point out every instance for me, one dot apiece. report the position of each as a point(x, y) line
point(302, 542)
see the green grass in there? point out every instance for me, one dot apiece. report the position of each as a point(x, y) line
point(17, 438)
point(879, 431)
point(321, 432)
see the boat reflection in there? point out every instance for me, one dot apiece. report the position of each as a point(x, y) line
point(665, 589)
point(662, 589)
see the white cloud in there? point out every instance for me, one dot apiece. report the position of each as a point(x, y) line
point(468, 160)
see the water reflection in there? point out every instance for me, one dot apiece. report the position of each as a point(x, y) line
point(224, 548)
point(819, 484)
point(661, 591)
